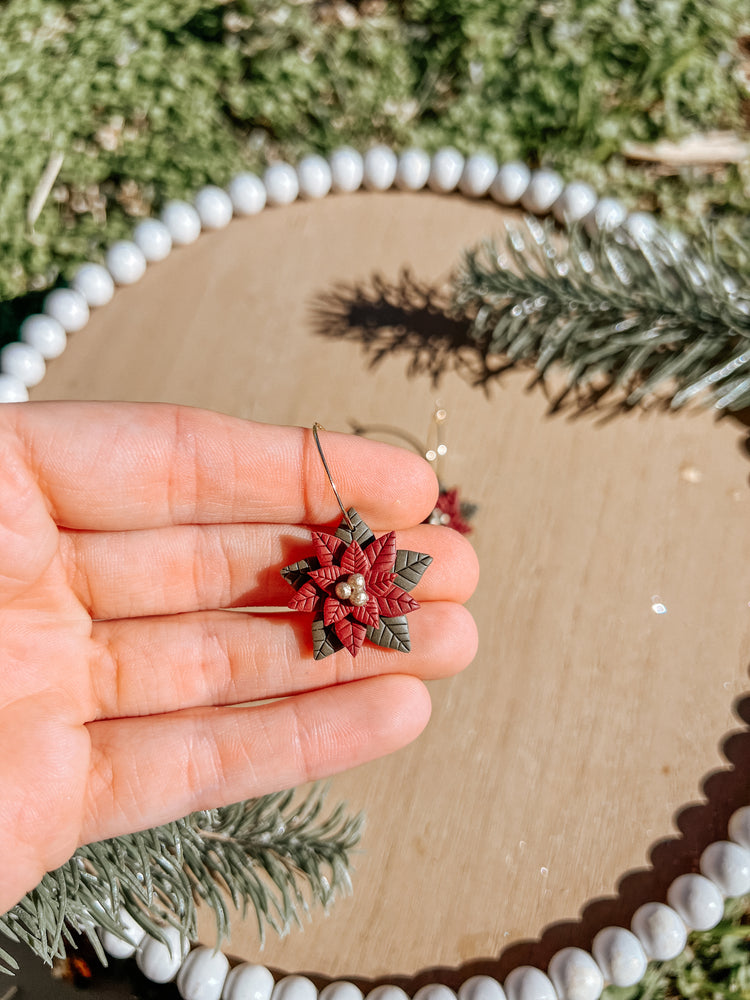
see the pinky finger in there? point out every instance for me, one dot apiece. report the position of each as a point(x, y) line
point(151, 770)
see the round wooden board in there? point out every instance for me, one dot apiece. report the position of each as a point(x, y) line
point(566, 756)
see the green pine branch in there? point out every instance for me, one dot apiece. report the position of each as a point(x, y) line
point(272, 855)
point(616, 313)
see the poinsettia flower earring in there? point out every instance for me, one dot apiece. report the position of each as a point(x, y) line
point(357, 585)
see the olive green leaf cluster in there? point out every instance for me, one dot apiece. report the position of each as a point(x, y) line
point(153, 98)
point(613, 314)
point(272, 856)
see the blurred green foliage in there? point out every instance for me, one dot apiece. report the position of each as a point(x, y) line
point(151, 99)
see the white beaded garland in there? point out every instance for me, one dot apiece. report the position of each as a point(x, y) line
point(347, 170)
point(445, 170)
point(510, 183)
point(95, 284)
point(12, 389)
point(125, 262)
point(640, 225)
point(481, 988)
point(478, 174)
point(248, 982)
point(529, 983)
point(413, 170)
point(739, 827)
point(697, 900)
point(118, 947)
point(294, 988)
point(182, 221)
point(248, 194)
point(575, 975)
point(620, 956)
point(605, 217)
point(434, 991)
point(314, 177)
point(282, 186)
point(544, 188)
point(68, 307)
point(153, 239)
point(202, 974)
point(380, 165)
point(214, 207)
point(23, 362)
point(660, 930)
point(45, 334)
point(577, 200)
point(159, 961)
point(340, 990)
point(728, 866)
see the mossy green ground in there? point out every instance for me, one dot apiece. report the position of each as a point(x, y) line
point(149, 100)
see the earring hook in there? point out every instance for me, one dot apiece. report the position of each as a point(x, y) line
point(315, 428)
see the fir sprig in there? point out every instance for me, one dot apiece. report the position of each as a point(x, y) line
point(268, 855)
point(614, 312)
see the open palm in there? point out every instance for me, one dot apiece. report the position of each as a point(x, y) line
point(129, 694)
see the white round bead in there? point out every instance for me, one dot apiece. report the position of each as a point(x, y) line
point(294, 988)
point(248, 982)
point(45, 334)
point(125, 262)
point(481, 988)
point(445, 170)
point(739, 826)
point(214, 206)
point(68, 307)
point(202, 974)
point(726, 864)
point(380, 166)
point(314, 177)
point(545, 187)
point(620, 956)
point(159, 962)
point(478, 174)
point(341, 991)
point(282, 186)
point(575, 975)
point(528, 983)
point(248, 194)
point(575, 203)
point(12, 389)
point(510, 183)
point(660, 930)
point(697, 900)
point(182, 221)
point(347, 170)
point(607, 215)
point(116, 946)
point(387, 993)
point(153, 239)
point(95, 284)
point(640, 225)
point(413, 170)
point(434, 991)
point(22, 361)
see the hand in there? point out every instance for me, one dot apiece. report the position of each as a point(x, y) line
point(124, 529)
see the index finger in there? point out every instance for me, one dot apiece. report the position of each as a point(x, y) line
point(118, 466)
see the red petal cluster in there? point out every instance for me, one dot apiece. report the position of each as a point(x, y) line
point(338, 561)
point(449, 504)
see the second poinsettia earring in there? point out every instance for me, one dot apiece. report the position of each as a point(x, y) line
point(356, 585)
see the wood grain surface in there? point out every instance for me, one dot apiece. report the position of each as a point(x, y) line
point(593, 737)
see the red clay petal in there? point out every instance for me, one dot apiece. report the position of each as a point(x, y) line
point(355, 561)
point(326, 577)
point(396, 603)
point(368, 613)
point(351, 633)
point(328, 548)
point(381, 584)
point(334, 611)
point(382, 553)
point(307, 598)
